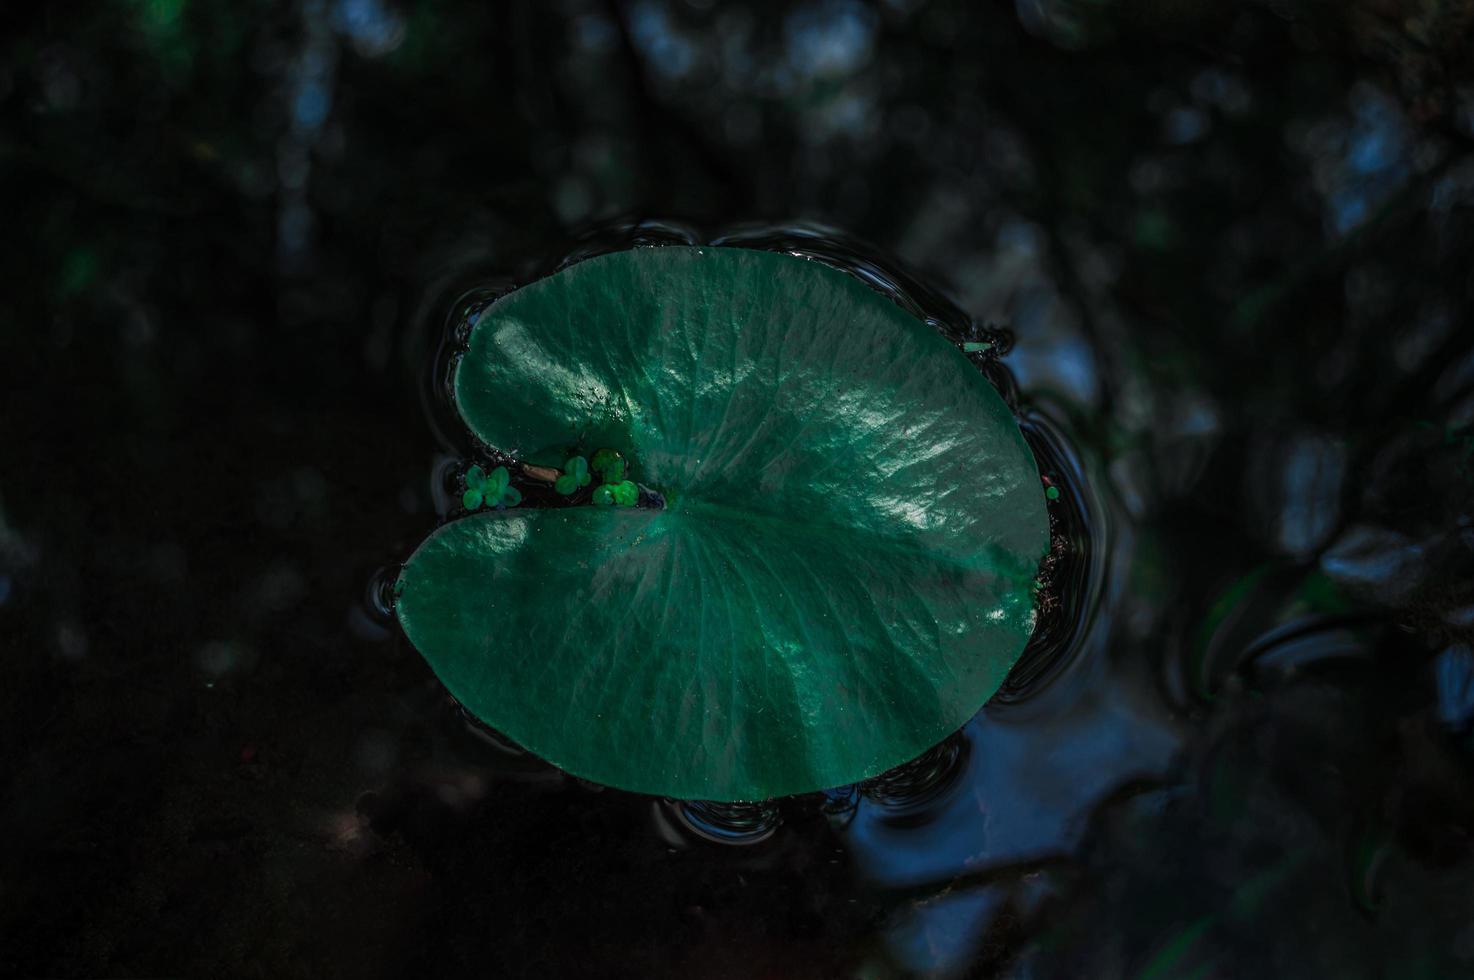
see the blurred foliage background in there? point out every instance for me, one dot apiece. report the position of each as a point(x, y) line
point(1233, 242)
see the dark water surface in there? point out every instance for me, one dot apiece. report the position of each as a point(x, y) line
point(1232, 246)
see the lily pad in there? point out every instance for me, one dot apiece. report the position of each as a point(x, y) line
point(843, 571)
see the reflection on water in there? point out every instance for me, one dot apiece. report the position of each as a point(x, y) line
point(733, 824)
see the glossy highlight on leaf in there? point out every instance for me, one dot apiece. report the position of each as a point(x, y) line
point(843, 570)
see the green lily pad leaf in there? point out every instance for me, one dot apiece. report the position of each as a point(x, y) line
point(843, 571)
point(566, 484)
point(475, 478)
point(472, 499)
point(511, 496)
point(604, 496)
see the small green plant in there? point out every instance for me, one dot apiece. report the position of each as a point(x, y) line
point(575, 475)
point(609, 465)
point(493, 490)
point(615, 490)
point(621, 494)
